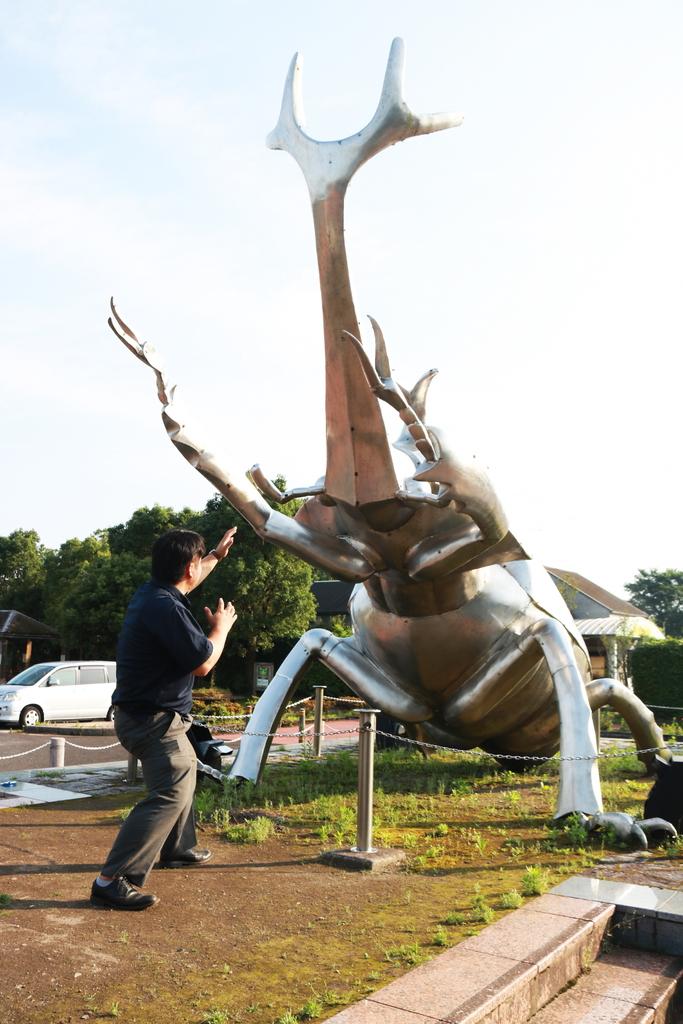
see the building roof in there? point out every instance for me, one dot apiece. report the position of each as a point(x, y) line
point(620, 625)
point(611, 602)
point(17, 626)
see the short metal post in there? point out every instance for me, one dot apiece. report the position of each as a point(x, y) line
point(57, 745)
point(302, 725)
point(318, 723)
point(132, 770)
point(366, 777)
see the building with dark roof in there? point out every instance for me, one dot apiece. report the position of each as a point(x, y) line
point(18, 632)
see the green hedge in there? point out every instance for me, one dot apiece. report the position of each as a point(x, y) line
point(657, 672)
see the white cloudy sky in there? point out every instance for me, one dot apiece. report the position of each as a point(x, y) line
point(533, 254)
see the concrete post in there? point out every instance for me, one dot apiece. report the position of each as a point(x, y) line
point(366, 775)
point(318, 723)
point(302, 725)
point(57, 745)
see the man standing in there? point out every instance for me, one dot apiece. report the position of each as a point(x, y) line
point(161, 648)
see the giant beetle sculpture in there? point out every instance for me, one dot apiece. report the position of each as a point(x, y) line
point(456, 631)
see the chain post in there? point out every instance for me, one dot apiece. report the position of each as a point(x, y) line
point(318, 723)
point(302, 725)
point(366, 777)
point(132, 769)
point(57, 745)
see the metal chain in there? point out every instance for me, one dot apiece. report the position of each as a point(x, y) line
point(347, 700)
point(663, 707)
point(217, 718)
point(289, 735)
point(8, 757)
point(79, 746)
point(526, 757)
point(297, 703)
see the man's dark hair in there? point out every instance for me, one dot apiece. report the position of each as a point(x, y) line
point(172, 552)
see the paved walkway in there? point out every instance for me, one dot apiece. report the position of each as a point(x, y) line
point(42, 784)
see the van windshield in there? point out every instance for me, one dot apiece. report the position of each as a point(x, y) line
point(31, 675)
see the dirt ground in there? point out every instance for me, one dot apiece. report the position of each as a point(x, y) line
point(233, 936)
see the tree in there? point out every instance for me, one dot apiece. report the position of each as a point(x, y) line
point(22, 573)
point(660, 594)
point(144, 526)
point(92, 620)
point(63, 571)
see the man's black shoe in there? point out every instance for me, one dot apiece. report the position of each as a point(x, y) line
point(188, 859)
point(121, 895)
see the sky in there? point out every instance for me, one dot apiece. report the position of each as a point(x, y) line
point(533, 254)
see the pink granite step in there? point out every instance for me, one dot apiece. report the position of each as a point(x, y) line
point(625, 986)
point(503, 975)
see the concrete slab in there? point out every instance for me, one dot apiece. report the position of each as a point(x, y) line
point(24, 793)
point(369, 1012)
point(354, 860)
point(463, 986)
point(644, 898)
point(586, 1007)
point(557, 945)
point(647, 979)
point(645, 916)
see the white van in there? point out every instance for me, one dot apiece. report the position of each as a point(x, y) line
point(59, 691)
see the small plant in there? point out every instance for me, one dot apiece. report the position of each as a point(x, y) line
point(311, 1009)
point(481, 911)
point(432, 852)
point(114, 1010)
point(440, 937)
point(534, 881)
point(409, 953)
point(5, 899)
point(455, 917)
point(123, 938)
point(216, 1017)
point(441, 830)
point(286, 1018)
point(257, 830)
point(511, 900)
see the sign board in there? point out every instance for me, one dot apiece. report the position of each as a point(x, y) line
point(263, 673)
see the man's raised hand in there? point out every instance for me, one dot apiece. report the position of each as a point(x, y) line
point(223, 619)
point(225, 543)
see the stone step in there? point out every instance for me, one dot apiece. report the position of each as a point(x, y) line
point(624, 986)
point(645, 917)
point(503, 975)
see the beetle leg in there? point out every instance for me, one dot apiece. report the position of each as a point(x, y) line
point(640, 720)
point(493, 692)
point(348, 663)
point(270, 490)
point(579, 788)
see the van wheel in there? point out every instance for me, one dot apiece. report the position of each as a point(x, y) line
point(30, 716)
point(110, 714)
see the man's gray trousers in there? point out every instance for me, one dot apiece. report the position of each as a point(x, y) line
point(162, 825)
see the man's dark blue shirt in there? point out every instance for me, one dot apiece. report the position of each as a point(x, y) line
point(160, 645)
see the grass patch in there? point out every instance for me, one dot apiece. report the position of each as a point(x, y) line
point(255, 831)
